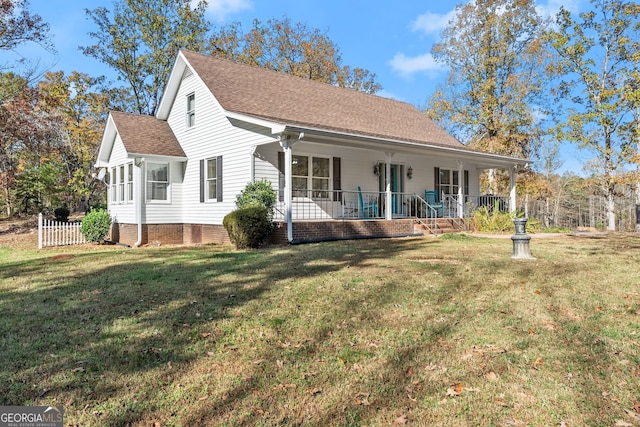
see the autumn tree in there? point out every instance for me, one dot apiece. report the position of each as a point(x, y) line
point(81, 102)
point(295, 49)
point(20, 26)
point(29, 138)
point(139, 39)
point(597, 68)
point(493, 97)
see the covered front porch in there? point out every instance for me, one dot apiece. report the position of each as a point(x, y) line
point(366, 184)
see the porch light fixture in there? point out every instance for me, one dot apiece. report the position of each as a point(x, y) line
point(410, 172)
point(376, 170)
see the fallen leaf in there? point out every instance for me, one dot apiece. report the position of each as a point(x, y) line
point(79, 369)
point(279, 363)
point(623, 423)
point(402, 420)
point(501, 403)
point(537, 363)
point(537, 292)
point(531, 331)
point(455, 390)
point(636, 407)
point(634, 415)
point(258, 362)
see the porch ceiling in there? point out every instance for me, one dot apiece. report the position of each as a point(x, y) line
point(481, 159)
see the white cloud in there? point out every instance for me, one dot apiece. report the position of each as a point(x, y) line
point(407, 66)
point(432, 23)
point(219, 9)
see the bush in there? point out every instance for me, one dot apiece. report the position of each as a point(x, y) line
point(259, 193)
point(62, 213)
point(248, 227)
point(95, 225)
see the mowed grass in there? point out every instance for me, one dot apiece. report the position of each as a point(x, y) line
point(372, 332)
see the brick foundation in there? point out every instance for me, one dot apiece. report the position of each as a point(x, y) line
point(318, 231)
point(303, 232)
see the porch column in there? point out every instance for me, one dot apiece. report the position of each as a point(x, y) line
point(512, 193)
point(389, 199)
point(285, 143)
point(460, 189)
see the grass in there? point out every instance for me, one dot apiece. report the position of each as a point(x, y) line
point(371, 332)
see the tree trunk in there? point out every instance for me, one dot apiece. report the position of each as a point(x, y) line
point(611, 214)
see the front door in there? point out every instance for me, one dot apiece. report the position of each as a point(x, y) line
point(397, 186)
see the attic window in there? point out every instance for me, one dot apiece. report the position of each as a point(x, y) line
point(191, 110)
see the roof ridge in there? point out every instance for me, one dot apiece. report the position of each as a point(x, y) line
point(291, 76)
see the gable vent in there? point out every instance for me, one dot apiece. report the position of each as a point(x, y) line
point(187, 73)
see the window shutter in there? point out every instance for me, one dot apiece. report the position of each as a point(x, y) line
point(337, 184)
point(281, 176)
point(219, 179)
point(466, 183)
point(201, 181)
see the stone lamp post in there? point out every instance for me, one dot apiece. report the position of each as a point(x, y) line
point(521, 240)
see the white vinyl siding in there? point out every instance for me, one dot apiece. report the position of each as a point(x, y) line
point(214, 136)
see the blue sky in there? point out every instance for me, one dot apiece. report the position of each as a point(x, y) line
point(391, 39)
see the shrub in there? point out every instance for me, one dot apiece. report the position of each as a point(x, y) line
point(95, 225)
point(248, 227)
point(62, 213)
point(259, 193)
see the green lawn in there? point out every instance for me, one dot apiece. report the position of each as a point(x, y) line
point(372, 332)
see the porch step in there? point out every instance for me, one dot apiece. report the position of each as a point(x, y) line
point(437, 226)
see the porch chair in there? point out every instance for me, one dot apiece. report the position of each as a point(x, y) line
point(368, 209)
point(435, 207)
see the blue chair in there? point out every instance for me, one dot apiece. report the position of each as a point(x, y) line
point(435, 207)
point(369, 209)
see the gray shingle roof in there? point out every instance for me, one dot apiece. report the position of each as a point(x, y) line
point(146, 135)
point(299, 102)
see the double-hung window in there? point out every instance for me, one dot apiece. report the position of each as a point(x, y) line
point(129, 182)
point(191, 110)
point(310, 176)
point(157, 181)
point(121, 184)
point(211, 179)
point(114, 185)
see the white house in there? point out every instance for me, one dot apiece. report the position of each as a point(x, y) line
point(345, 164)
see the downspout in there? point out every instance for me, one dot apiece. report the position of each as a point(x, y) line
point(138, 192)
point(252, 176)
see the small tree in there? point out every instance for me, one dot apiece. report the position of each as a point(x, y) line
point(259, 193)
point(250, 224)
point(95, 225)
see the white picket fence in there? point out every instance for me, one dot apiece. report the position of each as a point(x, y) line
point(57, 233)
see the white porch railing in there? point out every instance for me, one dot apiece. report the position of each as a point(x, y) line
point(57, 233)
point(310, 205)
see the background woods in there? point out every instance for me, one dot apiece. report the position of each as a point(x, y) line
point(520, 82)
